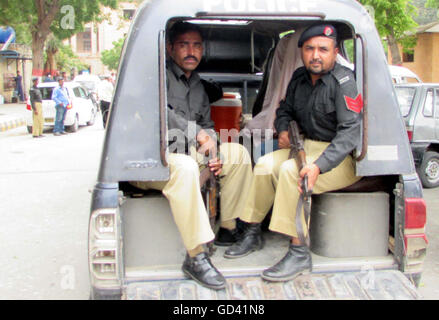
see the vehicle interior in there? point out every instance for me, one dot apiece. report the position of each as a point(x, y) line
point(238, 54)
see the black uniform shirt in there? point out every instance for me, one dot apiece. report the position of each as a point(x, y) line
point(187, 101)
point(35, 96)
point(329, 111)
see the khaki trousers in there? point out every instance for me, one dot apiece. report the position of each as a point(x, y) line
point(184, 195)
point(37, 120)
point(275, 183)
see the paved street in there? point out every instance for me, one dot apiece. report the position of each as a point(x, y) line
point(44, 205)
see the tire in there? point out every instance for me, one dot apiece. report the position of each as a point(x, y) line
point(74, 127)
point(29, 129)
point(429, 170)
point(92, 120)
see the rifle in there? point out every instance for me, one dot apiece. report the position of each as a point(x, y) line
point(298, 153)
point(209, 182)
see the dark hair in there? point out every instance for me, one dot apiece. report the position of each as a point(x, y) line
point(181, 27)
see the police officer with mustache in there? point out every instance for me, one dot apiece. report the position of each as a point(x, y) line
point(188, 103)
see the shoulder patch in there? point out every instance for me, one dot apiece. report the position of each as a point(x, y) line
point(342, 74)
point(354, 104)
point(343, 80)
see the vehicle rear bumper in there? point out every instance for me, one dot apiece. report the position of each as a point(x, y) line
point(370, 285)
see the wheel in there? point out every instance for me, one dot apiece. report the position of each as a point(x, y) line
point(74, 127)
point(429, 170)
point(92, 120)
point(29, 129)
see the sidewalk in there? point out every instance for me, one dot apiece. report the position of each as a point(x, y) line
point(12, 115)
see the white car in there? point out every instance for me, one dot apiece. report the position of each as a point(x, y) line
point(80, 111)
point(403, 75)
point(91, 82)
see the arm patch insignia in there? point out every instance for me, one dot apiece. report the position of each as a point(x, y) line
point(355, 105)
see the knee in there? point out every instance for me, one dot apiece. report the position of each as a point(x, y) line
point(265, 165)
point(235, 153)
point(186, 167)
point(289, 169)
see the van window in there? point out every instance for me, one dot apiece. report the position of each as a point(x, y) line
point(405, 98)
point(428, 105)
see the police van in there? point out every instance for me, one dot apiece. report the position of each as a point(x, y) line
point(367, 241)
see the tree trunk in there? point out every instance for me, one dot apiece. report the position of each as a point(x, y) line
point(394, 50)
point(40, 31)
point(37, 54)
point(50, 65)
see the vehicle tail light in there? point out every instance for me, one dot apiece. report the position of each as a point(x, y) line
point(103, 248)
point(69, 106)
point(410, 135)
point(415, 213)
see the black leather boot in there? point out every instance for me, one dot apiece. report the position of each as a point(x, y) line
point(297, 261)
point(201, 269)
point(225, 237)
point(250, 241)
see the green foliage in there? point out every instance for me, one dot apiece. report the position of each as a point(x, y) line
point(393, 16)
point(66, 59)
point(111, 57)
point(40, 18)
point(432, 4)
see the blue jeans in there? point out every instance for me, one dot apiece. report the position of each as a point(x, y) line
point(59, 118)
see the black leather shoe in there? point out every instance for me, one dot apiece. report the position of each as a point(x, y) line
point(226, 237)
point(250, 241)
point(297, 261)
point(202, 271)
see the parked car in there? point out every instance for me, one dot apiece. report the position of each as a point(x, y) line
point(91, 83)
point(135, 250)
point(403, 75)
point(80, 111)
point(419, 104)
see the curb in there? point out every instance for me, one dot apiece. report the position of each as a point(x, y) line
point(12, 124)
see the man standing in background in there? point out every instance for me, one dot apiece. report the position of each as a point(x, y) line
point(105, 93)
point(36, 100)
point(60, 96)
point(19, 86)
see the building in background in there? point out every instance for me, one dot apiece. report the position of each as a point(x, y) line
point(422, 60)
point(15, 57)
point(98, 37)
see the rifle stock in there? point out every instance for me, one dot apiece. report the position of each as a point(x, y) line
point(298, 152)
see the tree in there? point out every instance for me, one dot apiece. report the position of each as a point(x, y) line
point(111, 57)
point(432, 4)
point(63, 18)
point(393, 19)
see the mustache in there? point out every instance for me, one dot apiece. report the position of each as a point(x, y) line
point(190, 57)
point(316, 61)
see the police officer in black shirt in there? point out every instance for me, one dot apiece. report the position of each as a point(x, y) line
point(36, 101)
point(322, 97)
